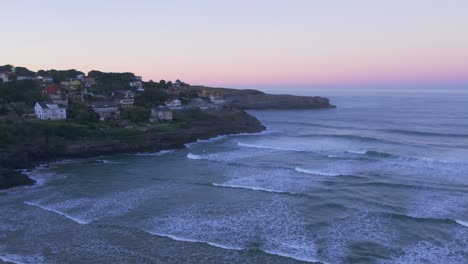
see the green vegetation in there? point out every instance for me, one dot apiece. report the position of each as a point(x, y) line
point(27, 91)
point(136, 114)
point(59, 75)
point(82, 113)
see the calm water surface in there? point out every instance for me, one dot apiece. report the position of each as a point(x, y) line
point(381, 179)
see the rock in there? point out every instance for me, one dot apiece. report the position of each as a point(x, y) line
point(11, 178)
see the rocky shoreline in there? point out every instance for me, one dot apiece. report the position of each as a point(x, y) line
point(238, 122)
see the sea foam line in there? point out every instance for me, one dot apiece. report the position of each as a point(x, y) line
point(191, 240)
point(252, 188)
point(79, 221)
point(159, 153)
point(463, 223)
point(265, 147)
point(213, 139)
point(320, 173)
point(184, 239)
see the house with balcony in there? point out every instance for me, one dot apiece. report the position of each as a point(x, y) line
point(50, 111)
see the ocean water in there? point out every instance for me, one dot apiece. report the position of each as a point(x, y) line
point(383, 178)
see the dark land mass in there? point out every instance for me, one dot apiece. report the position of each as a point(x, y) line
point(253, 99)
point(27, 143)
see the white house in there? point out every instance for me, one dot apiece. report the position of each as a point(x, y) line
point(174, 104)
point(4, 77)
point(22, 78)
point(50, 111)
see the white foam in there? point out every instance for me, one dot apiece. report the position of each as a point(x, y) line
point(77, 220)
point(194, 156)
point(463, 223)
point(359, 152)
point(20, 259)
point(315, 172)
point(107, 162)
point(159, 153)
point(265, 147)
point(183, 239)
point(247, 187)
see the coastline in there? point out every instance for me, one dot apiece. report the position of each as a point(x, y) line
point(150, 141)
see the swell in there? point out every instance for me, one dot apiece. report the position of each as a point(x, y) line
point(424, 133)
point(352, 137)
point(232, 247)
point(74, 219)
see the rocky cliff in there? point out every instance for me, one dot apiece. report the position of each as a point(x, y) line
point(273, 101)
point(36, 149)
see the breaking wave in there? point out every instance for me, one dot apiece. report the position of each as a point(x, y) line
point(74, 219)
point(463, 223)
point(316, 172)
point(258, 146)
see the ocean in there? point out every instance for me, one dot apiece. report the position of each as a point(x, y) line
point(383, 178)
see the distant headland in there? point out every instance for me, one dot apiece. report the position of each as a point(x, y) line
point(56, 114)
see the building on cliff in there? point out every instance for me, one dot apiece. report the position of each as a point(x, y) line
point(106, 110)
point(161, 114)
point(174, 104)
point(50, 111)
point(124, 98)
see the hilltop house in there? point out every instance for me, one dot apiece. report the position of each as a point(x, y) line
point(160, 114)
point(22, 78)
point(174, 104)
point(50, 111)
point(217, 99)
point(76, 97)
point(4, 77)
point(106, 110)
point(138, 84)
point(55, 94)
point(124, 98)
point(71, 84)
point(47, 79)
point(88, 82)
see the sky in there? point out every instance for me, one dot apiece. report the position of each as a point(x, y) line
point(246, 44)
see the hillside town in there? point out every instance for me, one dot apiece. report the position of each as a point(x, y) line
point(107, 97)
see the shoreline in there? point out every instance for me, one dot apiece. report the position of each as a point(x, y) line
point(149, 141)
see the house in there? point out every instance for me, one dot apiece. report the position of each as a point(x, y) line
point(22, 78)
point(124, 98)
point(4, 77)
point(88, 82)
point(71, 84)
point(161, 114)
point(76, 97)
point(106, 110)
point(80, 77)
point(174, 104)
point(136, 84)
point(55, 94)
point(50, 111)
point(47, 79)
point(217, 99)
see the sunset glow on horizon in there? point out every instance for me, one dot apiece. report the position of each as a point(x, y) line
point(245, 43)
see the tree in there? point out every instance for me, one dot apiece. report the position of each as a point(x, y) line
point(82, 113)
point(6, 68)
point(27, 91)
point(23, 71)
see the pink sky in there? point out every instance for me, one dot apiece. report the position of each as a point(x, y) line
point(245, 43)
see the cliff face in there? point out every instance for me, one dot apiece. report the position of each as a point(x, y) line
point(271, 101)
point(27, 154)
